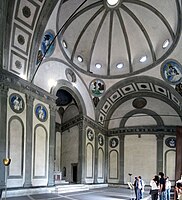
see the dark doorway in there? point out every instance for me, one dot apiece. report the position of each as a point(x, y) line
point(74, 172)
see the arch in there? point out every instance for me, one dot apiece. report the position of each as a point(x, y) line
point(151, 113)
point(63, 84)
point(144, 86)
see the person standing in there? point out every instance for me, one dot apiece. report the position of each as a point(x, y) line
point(168, 188)
point(141, 186)
point(162, 191)
point(155, 186)
point(136, 188)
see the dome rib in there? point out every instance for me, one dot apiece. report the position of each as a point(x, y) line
point(95, 38)
point(79, 13)
point(133, 16)
point(157, 13)
point(126, 39)
point(84, 29)
point(110, 41)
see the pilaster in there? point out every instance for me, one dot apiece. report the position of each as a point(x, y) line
point(52, 133)
point(3, 124)
point(121, 153)
point(28, 145)
point(160, 138)
point(81, 150)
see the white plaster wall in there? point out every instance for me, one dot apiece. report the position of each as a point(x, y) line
point(169, 160)
point(70, 145)
point(113, 162)
point(140, 157)
point(40, 141)
point(90, 157)
point(101, 160)
point(18, 156)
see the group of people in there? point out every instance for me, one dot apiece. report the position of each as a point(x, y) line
point(138, 187)
point(160, 187)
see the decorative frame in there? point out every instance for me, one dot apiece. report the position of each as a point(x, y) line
point(70, 75)
point(16, 103)
point(90, 134)
point(41, 112)
point(171, 71)
point(113, 142)
point(97, 87)
point(171, 142)
point(101, 140)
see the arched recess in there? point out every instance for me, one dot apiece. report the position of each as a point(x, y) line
point(40, 152)
point(170, 164)
point(133, 87)
point(151, 113)
point(89, 160)
point(63, 84)
point(100, 163)
point(113, 164)
point(16, 147)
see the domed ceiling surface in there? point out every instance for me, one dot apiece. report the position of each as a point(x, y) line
point(95, 36)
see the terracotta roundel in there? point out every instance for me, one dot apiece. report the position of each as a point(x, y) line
point(97, 87)
point(41, 112)
point(16, 103)
point(171, 72)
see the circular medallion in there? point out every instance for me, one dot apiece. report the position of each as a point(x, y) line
point(171, 142)
point(70, 75)
point(41, 112)
point(171, 72)
point(90, 134)
point(47, 47)
point(139, 103)
point(101, 140)
point(114, 142)
point(97, 87)
point(16, 103)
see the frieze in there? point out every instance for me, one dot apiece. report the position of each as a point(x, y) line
point(12, 81)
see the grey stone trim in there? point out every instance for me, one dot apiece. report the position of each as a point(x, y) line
point(23, 86)
point(151, 113)
point(6, 15)
point(3, 125)
point(121, 159)
point(160, 137)
point(74, 121)
point(46, 11)
point(63, 84)
point(51, 180)
point(96, 158)
point(81, 150)
point(167, 130)
point(28, 145)
point(144, 86)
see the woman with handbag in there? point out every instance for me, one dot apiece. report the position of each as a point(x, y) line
point(155, 186)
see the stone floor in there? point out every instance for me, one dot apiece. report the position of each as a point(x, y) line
point(109, 193)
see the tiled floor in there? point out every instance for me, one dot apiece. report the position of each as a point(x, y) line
point(110, 193)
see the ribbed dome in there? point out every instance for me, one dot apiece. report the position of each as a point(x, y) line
point(97, 33)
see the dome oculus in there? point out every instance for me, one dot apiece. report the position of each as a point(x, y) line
point(112, 2)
